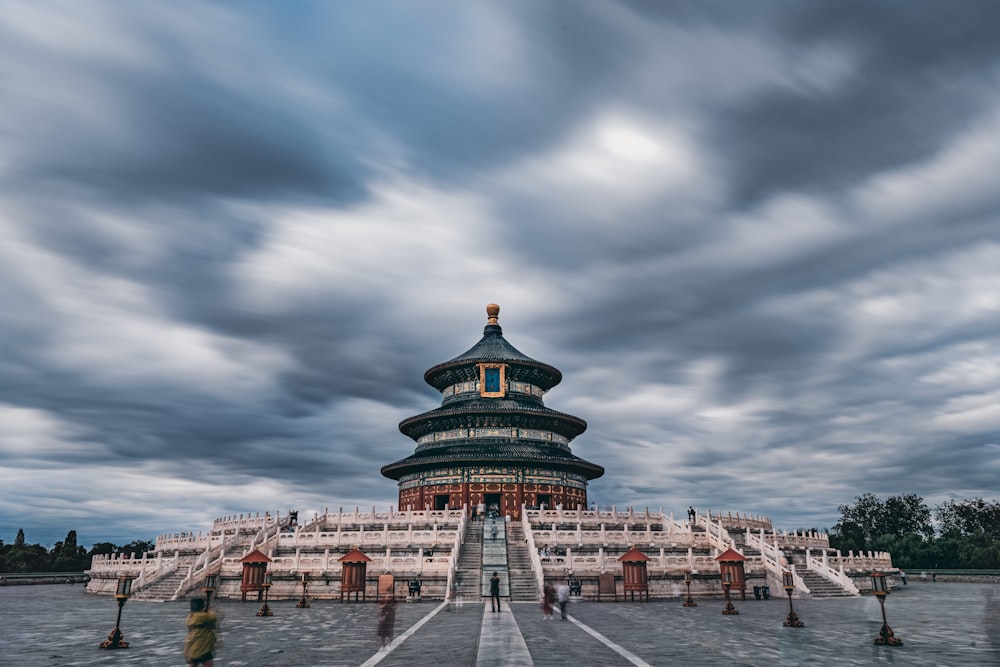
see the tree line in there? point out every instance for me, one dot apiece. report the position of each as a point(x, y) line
point(64, 556)
point(959, 534)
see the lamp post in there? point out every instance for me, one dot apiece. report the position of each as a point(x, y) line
point(304, 601)
point(209, 586)
point(264, 609)
point(689, 602)
point(115, 638)
point(885, 635)
point(789, 584)
point(727, 582)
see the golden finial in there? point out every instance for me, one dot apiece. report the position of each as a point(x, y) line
point(492, 310)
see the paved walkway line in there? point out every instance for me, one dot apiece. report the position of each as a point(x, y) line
point(377, 658)
point(623, 652)
point(500, 641)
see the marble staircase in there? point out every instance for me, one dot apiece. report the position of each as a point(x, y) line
point(523, 585)
point(164, 588)
point(820, 586)
point(468, 571)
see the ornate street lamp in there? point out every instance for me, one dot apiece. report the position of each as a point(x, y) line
point(304, 601)
point(885, 635)
point(265, 610)
point(209, 586)
point(115, 638)
point(789, 584)
point(689, 602)
point(727, 582)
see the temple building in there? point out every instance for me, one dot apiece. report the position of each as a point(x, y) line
point(492, 442)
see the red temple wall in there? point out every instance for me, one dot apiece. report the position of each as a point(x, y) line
point(512, 496)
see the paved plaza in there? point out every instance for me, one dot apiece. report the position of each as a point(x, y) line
point(941, 624)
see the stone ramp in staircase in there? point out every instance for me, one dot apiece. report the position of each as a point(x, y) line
point(494, 557)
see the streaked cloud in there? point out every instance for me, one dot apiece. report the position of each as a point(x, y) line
point(761, 245)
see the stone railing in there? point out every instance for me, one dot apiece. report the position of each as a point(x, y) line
point(602, 536)
point(870, 561)
point(588, 562)
point(718, 536)
point(361, 538)
point(771, 556)
point(803, 540)
point(184, 541)
point(264, 531)
point(142, 569)
point(774, 560)
point(267, 525)
point(740, 521)
point(595, 518)
point(536, 563)
point(246, 522)
point(580, 515)
point(392, 518)
point(326, 565)
point(438, 560)
point(455, 549)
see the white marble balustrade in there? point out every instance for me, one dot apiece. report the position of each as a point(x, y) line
point(589, 563)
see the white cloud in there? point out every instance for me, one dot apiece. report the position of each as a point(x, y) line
point(30, 435)
point(957, 181)
point(614, 163)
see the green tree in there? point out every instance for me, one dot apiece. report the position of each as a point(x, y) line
point(137, 547)
point(906, 515)
point(67, 556)
point(859, 525)
point(870, 523)
point(101, 548)
point(24, 557)
point(967, 517)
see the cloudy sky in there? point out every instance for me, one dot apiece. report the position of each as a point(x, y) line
point(761, 242)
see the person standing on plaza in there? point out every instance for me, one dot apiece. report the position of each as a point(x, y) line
point(200, 641)
point(562, 596)
point(386, 621)
point(495, 592)
point(548, 598)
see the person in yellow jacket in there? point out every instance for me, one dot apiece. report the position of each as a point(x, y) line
point(200, 641)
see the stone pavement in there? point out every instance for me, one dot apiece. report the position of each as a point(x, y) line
point(941, 624)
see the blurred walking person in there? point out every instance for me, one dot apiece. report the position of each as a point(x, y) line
point(548, 598)
point(200, 641)
point(386, 621)
point(562, 597)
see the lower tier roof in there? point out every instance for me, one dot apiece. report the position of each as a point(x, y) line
point(500, 452)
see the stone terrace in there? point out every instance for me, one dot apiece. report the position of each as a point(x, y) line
point(940, 624)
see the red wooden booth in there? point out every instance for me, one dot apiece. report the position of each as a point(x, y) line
point(352, 574)
point(731, 562)
point(254, 569)
point(634, 574)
